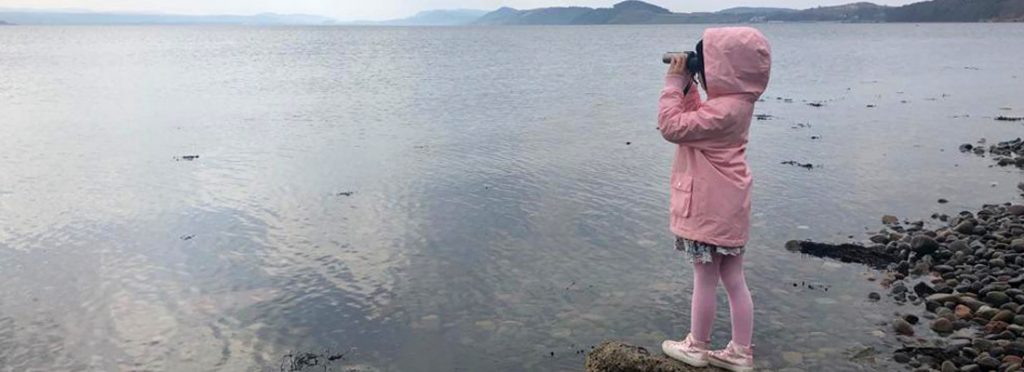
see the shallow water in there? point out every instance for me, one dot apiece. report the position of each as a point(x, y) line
point(499, 220)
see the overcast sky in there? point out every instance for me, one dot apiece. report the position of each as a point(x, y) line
point(384, 9)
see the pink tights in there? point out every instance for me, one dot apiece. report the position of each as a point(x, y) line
point(702, 306)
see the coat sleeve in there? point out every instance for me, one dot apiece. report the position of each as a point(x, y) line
point(683, 119)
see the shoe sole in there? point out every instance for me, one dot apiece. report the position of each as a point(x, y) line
point(729, 367)
point(693, 362)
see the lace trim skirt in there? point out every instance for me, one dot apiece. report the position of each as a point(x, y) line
point(703, 252)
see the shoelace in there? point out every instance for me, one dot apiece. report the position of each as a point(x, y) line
point(733, 352)
point(696, 345)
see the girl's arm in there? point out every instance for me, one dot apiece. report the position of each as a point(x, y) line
point(682, 117)
point(687, 99)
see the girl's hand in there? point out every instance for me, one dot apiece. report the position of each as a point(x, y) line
point(678, 66)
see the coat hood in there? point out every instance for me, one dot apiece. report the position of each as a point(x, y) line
point(737, 60)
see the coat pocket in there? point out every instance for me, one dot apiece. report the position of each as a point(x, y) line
point(682, 195)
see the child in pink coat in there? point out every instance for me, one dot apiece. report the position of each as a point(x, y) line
point(710, 204)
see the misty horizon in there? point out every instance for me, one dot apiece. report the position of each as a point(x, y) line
point(385, 12)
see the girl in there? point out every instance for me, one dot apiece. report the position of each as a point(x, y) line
point(710, 201)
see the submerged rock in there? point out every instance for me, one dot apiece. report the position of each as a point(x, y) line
point(902, 327)
point(801, 165)
point(793, 357)
point(302, 360)
point(1004, 153)
point(901, 358)
point(875, 256)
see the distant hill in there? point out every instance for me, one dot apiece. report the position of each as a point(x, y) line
point(756, 10)
point(541, 16)
point(39, 17)
point(855, 12)
point(626, 12)
point(639, 12)
point(4, 23)
point(959, 11)
point(446, 17)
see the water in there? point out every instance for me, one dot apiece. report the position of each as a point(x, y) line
point(498, 214)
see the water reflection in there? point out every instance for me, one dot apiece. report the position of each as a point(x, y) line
point(508, 199)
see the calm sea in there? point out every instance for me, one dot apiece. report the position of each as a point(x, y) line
point(453, 199)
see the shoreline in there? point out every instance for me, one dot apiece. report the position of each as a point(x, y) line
point(968, 273)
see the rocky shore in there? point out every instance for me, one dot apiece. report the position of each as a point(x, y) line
point(968, 274)
point(1003, 153)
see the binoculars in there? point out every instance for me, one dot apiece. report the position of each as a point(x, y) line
point(694, 64)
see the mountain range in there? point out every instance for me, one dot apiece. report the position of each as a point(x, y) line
point(626, 12)
point(639, 12)
point(444, 17)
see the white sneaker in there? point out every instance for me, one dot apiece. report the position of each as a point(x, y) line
point(689, 351)
point(733, 358)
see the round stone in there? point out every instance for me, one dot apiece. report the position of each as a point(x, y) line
point(902, 327)
point(793, 357)
point(942, 325)
point(962, 312)
point(996, 298)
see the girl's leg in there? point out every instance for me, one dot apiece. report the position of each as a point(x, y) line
point(702, 304)
point(740, 304)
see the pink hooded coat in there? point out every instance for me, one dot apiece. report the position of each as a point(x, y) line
point(710, 179)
